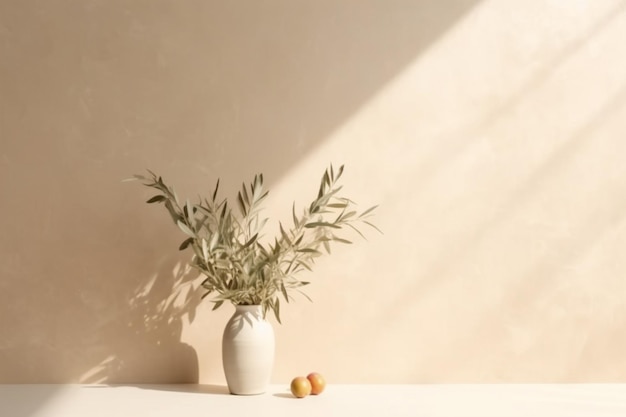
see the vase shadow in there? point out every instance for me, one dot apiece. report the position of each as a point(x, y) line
point(212, 389)
point(142, 344)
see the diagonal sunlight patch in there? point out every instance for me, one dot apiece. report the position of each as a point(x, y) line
point(510, 113)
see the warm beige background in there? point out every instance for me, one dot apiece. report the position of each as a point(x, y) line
point(491, 133)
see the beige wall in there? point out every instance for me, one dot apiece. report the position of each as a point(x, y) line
point(491, 133)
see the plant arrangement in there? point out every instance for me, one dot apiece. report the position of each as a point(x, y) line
point(229, 248)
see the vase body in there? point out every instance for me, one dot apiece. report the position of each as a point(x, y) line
point(248, 351)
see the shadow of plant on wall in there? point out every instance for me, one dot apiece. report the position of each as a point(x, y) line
point(146, 344)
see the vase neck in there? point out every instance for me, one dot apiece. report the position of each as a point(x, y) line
point(254, 309)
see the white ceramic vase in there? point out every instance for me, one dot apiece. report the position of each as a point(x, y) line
point(248, 351)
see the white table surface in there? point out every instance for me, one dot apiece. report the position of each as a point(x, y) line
point(589, 400)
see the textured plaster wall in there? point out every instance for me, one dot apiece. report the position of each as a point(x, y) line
point(490, 132)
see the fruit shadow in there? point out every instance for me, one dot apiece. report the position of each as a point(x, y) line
point(285, 395)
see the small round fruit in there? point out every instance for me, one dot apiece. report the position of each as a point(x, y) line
point(318, 383)
point(300, 387)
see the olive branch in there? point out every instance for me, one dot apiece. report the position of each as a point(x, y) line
point(227, 248)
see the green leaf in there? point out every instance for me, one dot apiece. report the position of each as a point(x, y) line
point(189, 213)
point(185, 244)
point(277, 247)
point(262, 197)
point(338, 239)
point(224, 209)
point(321, 224)
point(277, 310)
point(185, 229)
point(284, 291)
point(296, 223)
point(174, 214)
point(340, 172)
point(337, 205)
point(245, 194)
point(217, 305)
point(250, 242)
point(135, 178)
point(309, 250)
point(156, 199)
point(356, 230)
point(373, 226)
point(347, 215)
point(284, 234)
point(369, 210)
point(205, 250)
point(242, 206)
point(217, 186)
point(205, 210)
point(214, 240)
